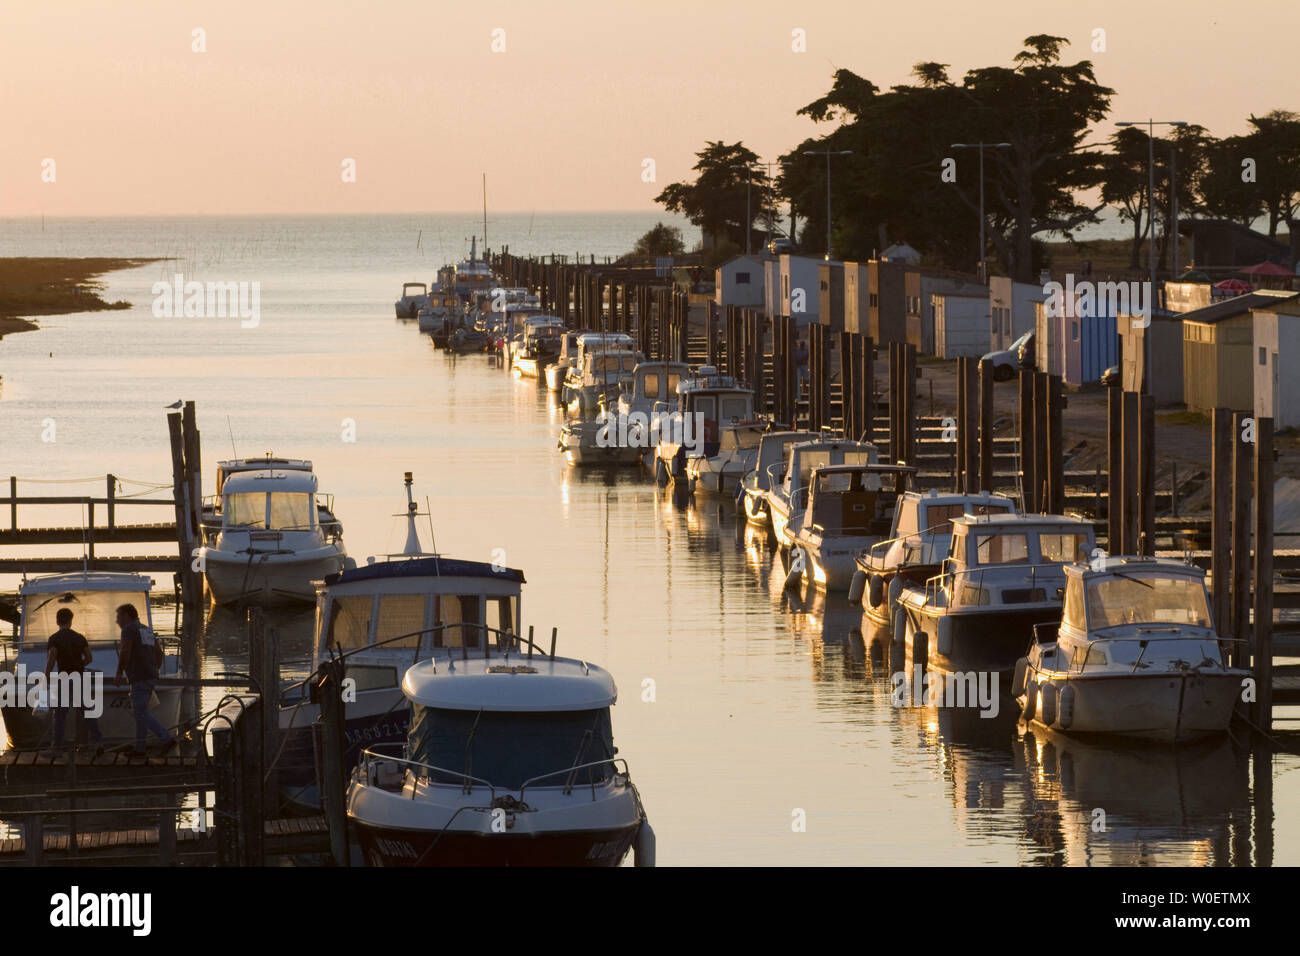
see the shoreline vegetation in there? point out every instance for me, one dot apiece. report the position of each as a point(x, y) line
point(32, 287)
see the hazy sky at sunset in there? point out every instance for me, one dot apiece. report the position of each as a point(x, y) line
point(138, 123)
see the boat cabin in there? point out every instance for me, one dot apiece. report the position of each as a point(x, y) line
point(720, 401)
point(1011, 558)
point(560, 707)
point(268, 462)
point(656, 383)
point(773, 448)
point(92, 596)
point(806, 457)
point(405, 609)
point(922, 527)
point(848, 500)
point(586, 342)
point(269, 501)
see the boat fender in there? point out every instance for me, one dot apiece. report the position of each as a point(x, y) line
point(876, 594)
point(920, 651)
point(796, 567)
point(944, 644)
point(661, 471)
point(1065, 707)
point(1018, 678)
point(1031, 698)
point(643, 850)
point(900, 626)
point(857, 586)
point(1046, 704)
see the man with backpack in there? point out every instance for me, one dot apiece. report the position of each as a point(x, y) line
point(139, 658)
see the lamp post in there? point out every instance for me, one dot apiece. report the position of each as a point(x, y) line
point(828, 153)
point(1151, 124)
point(984, 271)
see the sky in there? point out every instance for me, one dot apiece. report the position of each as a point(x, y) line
point(562, 115)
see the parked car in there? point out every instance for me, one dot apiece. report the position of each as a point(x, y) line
point(1010, 360)
point(1024, 347)
point(779, 245)
point(1110, 377)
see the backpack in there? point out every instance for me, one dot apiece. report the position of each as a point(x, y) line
point(150, 640)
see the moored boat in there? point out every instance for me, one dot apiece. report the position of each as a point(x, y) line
point(1004, 574)
point(918, 542)
point(1135, 655)
point(93, 597)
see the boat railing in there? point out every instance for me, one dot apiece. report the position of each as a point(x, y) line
point(914, 541)
point(618, 763)
point(424, 771)
point(1011, 584)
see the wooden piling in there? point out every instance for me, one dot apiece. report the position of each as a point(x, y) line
point(1241, 495)
point(986, 425)
point(1132, 475)
point(1041, 386)
point(1221, 521)
point(969, 426)
point(329, 693)
point(1028, 457)
point(1147, 438)
point(1055, 445)
point(1262, 638)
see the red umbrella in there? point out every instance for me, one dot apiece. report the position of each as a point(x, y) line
point(1234, 285)
point(1265, 268)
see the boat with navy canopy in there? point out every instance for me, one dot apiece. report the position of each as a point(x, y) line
point(93, 597)
point(1135, 654)
point(381, 617)
point(271, 543)
point(510, 761)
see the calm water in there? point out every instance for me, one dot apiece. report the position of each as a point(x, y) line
point(761, 707)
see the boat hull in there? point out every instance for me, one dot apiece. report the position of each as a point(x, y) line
point(269, 580)
point(387, 846)
point(25, 729)
point(1165, 708)
point(979, 641)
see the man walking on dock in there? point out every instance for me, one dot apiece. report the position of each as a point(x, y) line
point(138, 661)
point(69, 653)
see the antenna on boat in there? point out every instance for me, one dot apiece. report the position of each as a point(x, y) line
point(485, 214)
point(232, 437)
point(413, 547)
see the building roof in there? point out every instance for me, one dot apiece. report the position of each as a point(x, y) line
point(1236, 306)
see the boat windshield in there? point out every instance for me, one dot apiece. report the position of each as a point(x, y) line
point(1145, 598)
point(94, 613)
point(735, 409)
point(278, 510)
point(510, 748)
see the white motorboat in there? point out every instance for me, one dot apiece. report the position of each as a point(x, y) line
point(1004, 574)
point(93, 597)
point(415, 296)
point(773, 448)
point(788, 480)
point(537, 346)
point(509, 761)
point(918, 542)
point(1135, 655)
point(601, 368)
point(211, 511)
point(271, 544)
point(843, 514)
point(710, 440)
point(641, 404)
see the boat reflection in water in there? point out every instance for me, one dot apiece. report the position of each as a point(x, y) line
point(1129, 804)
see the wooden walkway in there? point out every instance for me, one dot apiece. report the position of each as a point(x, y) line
point(283, 836)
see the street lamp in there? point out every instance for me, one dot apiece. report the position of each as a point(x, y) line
point(828, 154)
point(1151, 124)
point(984, 271)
